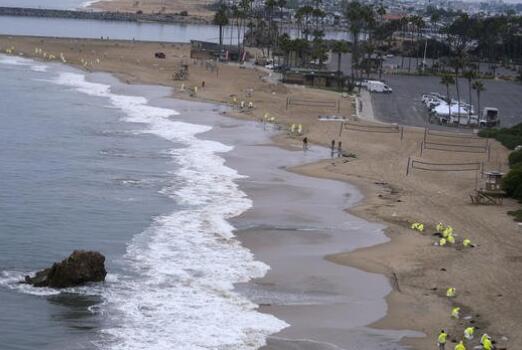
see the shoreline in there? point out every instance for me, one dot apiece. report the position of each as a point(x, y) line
point(434, 198)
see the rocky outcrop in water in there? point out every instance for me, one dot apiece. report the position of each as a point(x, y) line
point(79, 268)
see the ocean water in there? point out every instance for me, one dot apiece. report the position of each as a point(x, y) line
point(87, 164)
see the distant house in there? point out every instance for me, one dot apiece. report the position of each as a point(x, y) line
point(393, 17)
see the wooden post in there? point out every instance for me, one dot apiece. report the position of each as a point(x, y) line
point(408, 167)
point(338, 106)
point(341, 128)
point(489, 152)
point(287, 101)
point(402, 132)
point(421, 147)
point(425, 134)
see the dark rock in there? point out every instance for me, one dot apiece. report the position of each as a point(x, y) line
point(79, 268)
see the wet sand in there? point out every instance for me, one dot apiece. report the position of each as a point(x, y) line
point(295, 222)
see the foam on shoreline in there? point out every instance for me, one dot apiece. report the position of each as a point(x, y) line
point(179, 292)
point(176, 290)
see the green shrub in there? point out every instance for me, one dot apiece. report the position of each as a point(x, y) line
point(515, 157)
point(517, 215)
point(512, 183)
point(509, 137)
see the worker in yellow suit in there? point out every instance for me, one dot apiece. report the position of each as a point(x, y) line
point(441, 339)
point(467, 243)
point(487, 344)
point(451, 292)
point(468, 333)
point(417, 226)
point(455, 312)
point(460, 346)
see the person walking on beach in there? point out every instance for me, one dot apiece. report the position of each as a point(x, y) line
point(460, 346)
point(305, 144)
point(441, 340)
point(333, 148)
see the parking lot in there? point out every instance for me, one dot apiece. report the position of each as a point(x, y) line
point(404, 105)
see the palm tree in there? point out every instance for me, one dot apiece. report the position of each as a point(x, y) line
point(286, 45)
point(281, 4)
point(381, 11)
point(448, 80)
point(411, 29)
point(303, 15)
point(403, 22)
point(354, 13)
point(339, 48)
point(478, 86)
point(470, 76)
point(221, 20)
point(435, 18)
point(457, 63)
point(419, 24)
point(269, 7)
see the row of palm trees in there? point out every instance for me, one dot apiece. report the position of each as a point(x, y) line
point(307, 41)
point(473, 84)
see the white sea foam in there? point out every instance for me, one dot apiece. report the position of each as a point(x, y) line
point(179, 292)
point(20, 61)
point(39, 68)
point(88, 3)
point(14, 280)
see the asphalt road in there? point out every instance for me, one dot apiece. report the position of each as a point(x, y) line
point(404, 106)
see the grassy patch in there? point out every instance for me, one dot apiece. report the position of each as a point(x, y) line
point(517, 215)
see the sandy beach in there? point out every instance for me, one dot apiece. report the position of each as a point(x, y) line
point(487, 277)
point(198, 9)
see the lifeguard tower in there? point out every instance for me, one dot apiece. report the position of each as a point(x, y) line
point(491, 192)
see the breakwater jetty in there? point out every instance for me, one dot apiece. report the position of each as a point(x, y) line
point(102, 15)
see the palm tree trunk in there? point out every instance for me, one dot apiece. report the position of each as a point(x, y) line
point(239, 24)
point(478, 103)
point(458, 96)
point(339, 54)
point(470, 101)
point(449, 101)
